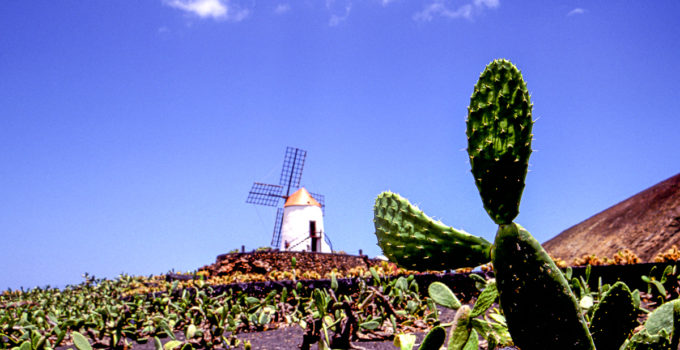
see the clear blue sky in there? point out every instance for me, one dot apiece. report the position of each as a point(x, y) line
point(131, 131)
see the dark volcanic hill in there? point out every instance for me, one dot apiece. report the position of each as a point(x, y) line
point(647, 223)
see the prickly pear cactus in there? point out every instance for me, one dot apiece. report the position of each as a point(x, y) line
point(461, 329)
point(663, 317)
point(540, 308)
point(413, 240)
point(645, 341)
point(442, 295)
point(614, 317)
point(541, 311)
point(434, 339)
point(499, 144)
point(661, 330)
point(499, 138)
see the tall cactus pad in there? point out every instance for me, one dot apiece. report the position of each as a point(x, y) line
point(539, 306)
point(614, 318)
point(499, 138)
point(411, 239)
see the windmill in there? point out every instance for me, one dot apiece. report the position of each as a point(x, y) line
point(301, 209)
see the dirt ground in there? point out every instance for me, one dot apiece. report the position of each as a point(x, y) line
point(290, 338)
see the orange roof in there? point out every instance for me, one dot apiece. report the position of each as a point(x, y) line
point(301, 197)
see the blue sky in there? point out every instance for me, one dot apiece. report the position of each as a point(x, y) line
point(131, 131)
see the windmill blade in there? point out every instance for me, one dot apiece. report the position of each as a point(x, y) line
point(265, 194)
point(276, 238)
point(292, 168)
point(321, 199)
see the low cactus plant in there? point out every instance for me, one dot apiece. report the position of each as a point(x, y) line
point(661, 330)
point(614, 317)
point(468, 323)
point(540, 308)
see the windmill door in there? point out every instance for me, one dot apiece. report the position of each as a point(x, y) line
point(313, 236)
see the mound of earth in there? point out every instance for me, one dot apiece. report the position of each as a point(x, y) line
point(647, 223)
point(262, 262)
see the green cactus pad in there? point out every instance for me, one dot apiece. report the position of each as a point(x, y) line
point(665, 320)
point(541, 311)
point(442, 295)
point(614, 317)
point(499, 138)
point(80, 342)
point(485, 299)
point(460, 330)
point(434, 339)
point(645, 341)
point(473, 341)
point(662, 317)
point(411, 239)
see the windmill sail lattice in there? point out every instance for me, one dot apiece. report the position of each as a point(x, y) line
point(276, 237)
point(270, 195)
point(291, 172)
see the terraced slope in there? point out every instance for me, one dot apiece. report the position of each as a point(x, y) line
point(647, 223)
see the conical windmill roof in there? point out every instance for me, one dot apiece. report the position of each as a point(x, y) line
point(301, 197)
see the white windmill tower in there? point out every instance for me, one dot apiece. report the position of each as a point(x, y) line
point(299, 224)
point(302, 227)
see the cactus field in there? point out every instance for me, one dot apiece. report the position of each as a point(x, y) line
point(506, 294)
point(382, 310)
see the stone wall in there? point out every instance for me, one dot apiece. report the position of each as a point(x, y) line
point(266, 261)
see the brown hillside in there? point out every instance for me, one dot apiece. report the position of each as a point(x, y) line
point(647, 223)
